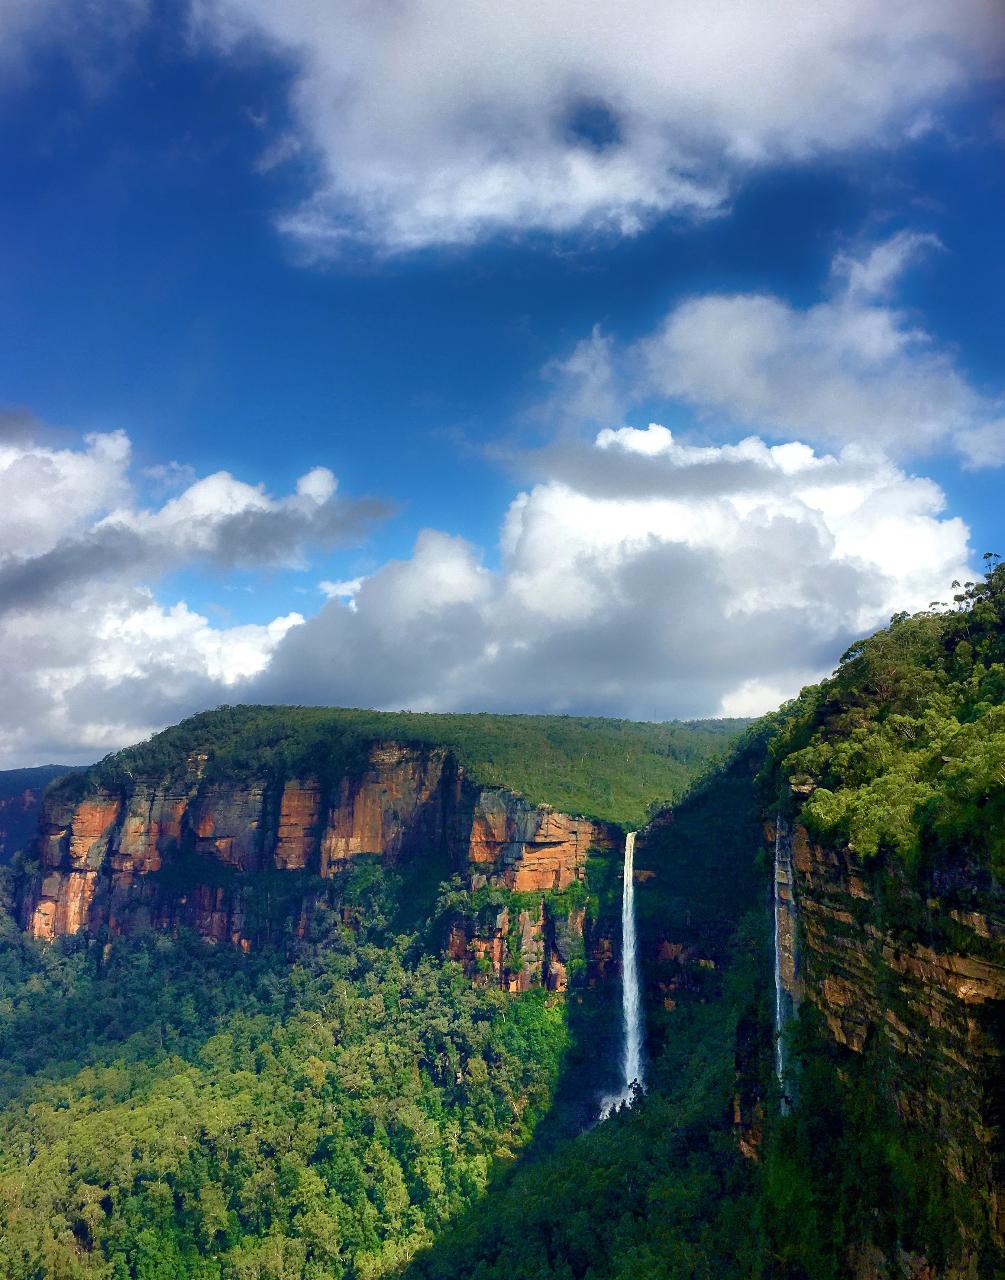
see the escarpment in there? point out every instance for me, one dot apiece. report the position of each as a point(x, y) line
point(218, 855)
point(906, 973)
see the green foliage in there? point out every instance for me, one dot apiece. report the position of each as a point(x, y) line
point(900, 756)
point(332, 1108)
point(659, 1192)
point(903, 749)
point(843, 1169)
point(608, 769)
point(174, 1110)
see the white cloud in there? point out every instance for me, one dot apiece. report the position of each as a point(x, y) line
point(56, 530)
point(89, 658)
point(434, 122)
point(105, 666)
point(345, 589)
point(851, 368)
point(639, 576)
point(739, 573)
point(874, 274)
point(47, 495)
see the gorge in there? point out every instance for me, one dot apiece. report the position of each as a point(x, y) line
point(293, 992)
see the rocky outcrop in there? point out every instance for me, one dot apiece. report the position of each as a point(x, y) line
point(204, 853)
point(917, 974)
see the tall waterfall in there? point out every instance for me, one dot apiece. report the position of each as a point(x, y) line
point(631, 998)
point(785, 953)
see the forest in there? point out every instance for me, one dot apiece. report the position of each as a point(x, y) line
point(354, 1104)
point(615, 770)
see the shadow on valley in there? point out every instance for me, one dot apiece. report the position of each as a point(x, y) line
point(324, 1107)
point(660, 1191)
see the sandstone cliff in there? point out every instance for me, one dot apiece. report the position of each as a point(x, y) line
point(202, 853)
point(911, 976)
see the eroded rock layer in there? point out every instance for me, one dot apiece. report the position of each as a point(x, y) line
point(918, 976)
point(171, 853)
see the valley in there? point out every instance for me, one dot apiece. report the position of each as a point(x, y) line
point(302, 993)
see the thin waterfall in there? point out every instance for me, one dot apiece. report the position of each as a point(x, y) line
point(631, 997)
point(785, 953)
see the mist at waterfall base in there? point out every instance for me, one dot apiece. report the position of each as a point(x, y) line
point(631, 1000)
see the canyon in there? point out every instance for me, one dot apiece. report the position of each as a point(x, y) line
point(888, 973)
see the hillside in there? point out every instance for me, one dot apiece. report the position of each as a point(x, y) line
point(887, 783)
point(390, 1028)
point(21, 792)
point(613, 770)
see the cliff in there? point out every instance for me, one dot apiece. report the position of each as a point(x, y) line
point(907, 977)
point(239, 860)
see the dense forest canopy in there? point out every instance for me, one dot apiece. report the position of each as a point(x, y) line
point(903, 749)
point(173, 1111)
point(615, 770)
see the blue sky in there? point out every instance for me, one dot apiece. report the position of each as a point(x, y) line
point(439, 262)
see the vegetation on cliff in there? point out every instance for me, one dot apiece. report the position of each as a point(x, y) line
point(614, 770)
point(891, 1162)
point(903, 749)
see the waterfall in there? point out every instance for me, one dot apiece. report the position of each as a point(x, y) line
point(631, 997)
point(785, 955)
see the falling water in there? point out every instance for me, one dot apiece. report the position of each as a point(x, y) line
point(631, 1000)
point(784, 932)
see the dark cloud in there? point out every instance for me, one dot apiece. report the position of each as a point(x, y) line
point(18, 425)
point(249, 539)
point(274, 536)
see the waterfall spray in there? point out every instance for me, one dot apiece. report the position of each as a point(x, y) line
point(631, 998)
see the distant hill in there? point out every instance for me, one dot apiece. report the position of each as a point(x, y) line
point(21, 792)
point(613, 770)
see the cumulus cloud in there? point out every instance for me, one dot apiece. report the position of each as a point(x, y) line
point(638, 575)
point(89, 657)
point(433, 122)
point(428, 122)
point(105, 666)
point(853, 367)
point(69, 516)
point(738, 573)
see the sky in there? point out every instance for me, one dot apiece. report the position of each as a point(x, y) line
point(612, 358)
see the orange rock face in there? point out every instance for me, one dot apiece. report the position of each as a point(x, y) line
point(530, 849)
point(101, 856)
point(298, 834)
point(90, 830)
point(394, 809)
point(66, 909)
